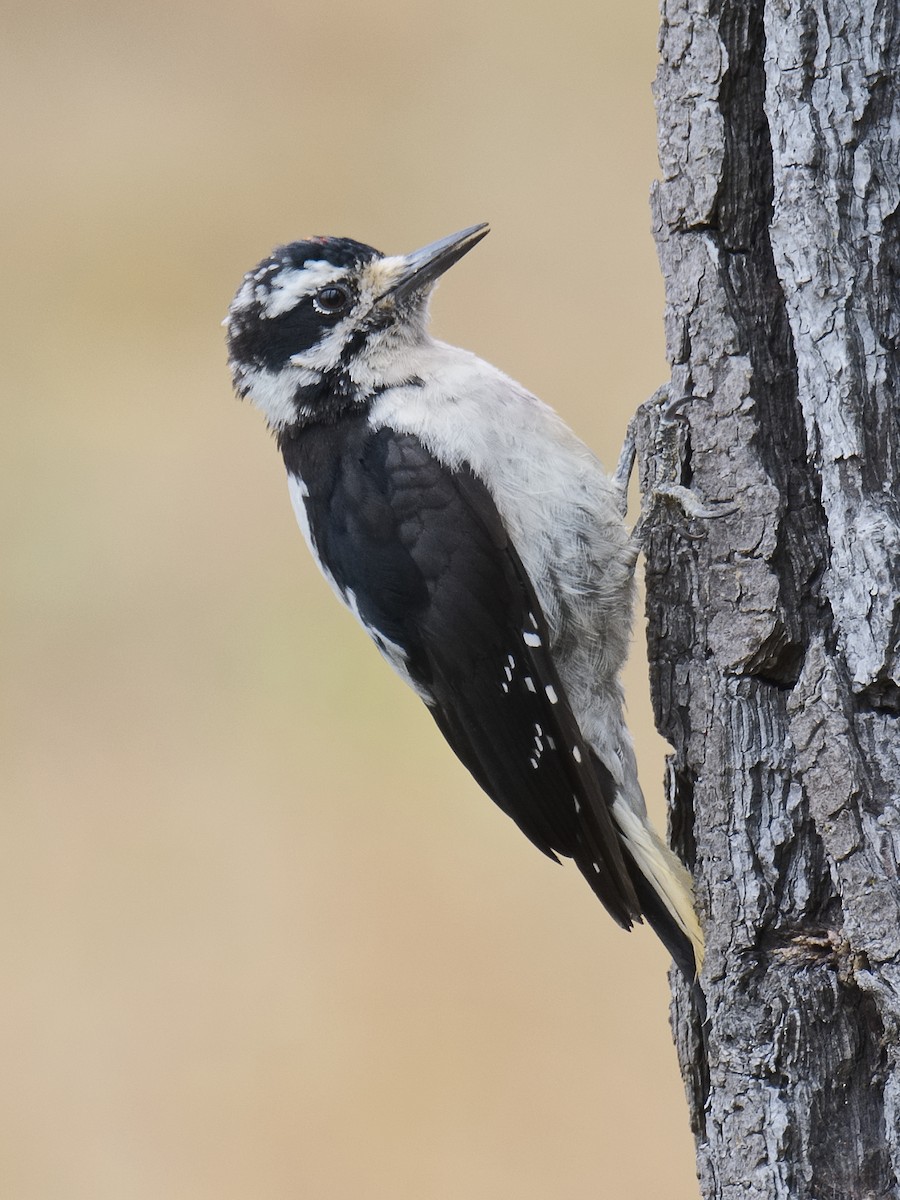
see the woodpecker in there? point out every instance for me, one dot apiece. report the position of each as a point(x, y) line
point(477, 540)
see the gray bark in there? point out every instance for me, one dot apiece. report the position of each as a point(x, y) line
point(774, 632)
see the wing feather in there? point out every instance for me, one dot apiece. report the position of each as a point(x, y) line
point(421, 554)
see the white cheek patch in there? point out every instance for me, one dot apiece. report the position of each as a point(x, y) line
point(273, 392)
point(326, 354)
point(285, 290)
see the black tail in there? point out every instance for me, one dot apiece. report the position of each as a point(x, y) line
point(679, 946)
point(670, 934)
point(663, 924)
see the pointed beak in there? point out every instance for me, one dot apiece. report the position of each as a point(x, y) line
point(418, 270)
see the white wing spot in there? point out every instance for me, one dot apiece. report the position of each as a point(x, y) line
point(577, 805)
point(596, 867)
point(529, 683)
point(576, 754)
point(550, 742)
point(537, 729)
point(534, 763)
point(531, 639)
point(511, 661)
point(533, 619)
point(505, 687)
point(508, 674)
point(551, 693)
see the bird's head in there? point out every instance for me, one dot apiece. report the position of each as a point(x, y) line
point(320, 326)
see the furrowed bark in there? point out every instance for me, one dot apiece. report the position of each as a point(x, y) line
point(774, 632)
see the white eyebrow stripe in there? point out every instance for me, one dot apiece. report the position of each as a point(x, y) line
point(285, 290)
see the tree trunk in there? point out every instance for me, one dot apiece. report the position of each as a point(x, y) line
point(774, 632)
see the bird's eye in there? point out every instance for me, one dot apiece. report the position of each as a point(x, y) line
point(332, 300)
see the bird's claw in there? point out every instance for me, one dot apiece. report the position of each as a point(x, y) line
point(691, 504)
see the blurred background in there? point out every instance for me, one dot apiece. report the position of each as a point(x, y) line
point(261, 935)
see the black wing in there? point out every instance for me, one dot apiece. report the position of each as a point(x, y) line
point(421, 553)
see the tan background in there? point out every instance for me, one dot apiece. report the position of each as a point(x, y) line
point(261, 936)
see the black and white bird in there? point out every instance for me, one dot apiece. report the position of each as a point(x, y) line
point(479, 542)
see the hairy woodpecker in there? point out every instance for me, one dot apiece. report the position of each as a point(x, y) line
point(478, 541)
